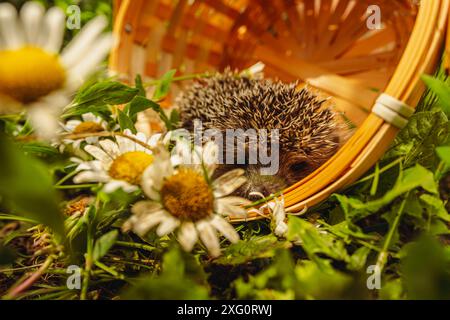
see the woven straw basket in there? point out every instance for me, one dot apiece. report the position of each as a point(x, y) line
point(325, 43)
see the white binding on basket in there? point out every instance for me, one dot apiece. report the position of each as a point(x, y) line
point(393, 110)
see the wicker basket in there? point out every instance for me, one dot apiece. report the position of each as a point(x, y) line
point(325, 43)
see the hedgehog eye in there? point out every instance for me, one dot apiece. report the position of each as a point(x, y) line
point(299, 166)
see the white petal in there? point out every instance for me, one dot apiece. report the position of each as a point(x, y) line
point(77, 144)
point(281, 229)
point(229, 182)
point(52, 38)
point(210, 153)
point(225, 228)
point(153, 141)
point(125, 144)
point(187, 236)
point(57, 100)
point(31, 15)
point(182, 153)
point(256, 68)
point(152, 193)
point(91, 140)
point(10, 27)
point(77, 160)
point(81, 44)
point(88, 165)
point(145, 207)
point(209, 238)
point(89, 117)
point(153, 177)
point(168, 225)
point(278, 211)
point(197, 156)
point(99, 154)
point(110, 148)
point(142, 224)
point(91, 176)
point(231, 206)
point(44, 121)
point(143, 138)
point(90, 62)
point(71, 125)
point(168, 138)
point(113, 185)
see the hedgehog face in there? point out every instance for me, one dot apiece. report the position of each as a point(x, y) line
point(308, 133)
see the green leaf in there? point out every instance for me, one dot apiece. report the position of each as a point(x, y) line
point(86, 108)
point(164, 288)
point(139, 104)
point(426, 270)
point(318, 284)
point(435, 207)
point(104, 244)
point(359, 258)
point(97, 97)
point(106, 92)
point(441, 89)
point(251, 249)
point(180, 279)
point(125, 122)
point(140, 86)
point(411, 179)
point(174, 117)
point(39, 149)
point(418, 141)
point(347, 232)
point(26, 187)
point(278, 280)
point(173, 264)
point(314, 242)
point(444, 154)
point(392, 290)
point(163, 87)
point(285, 279)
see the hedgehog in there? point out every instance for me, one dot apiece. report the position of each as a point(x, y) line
point(309, 131)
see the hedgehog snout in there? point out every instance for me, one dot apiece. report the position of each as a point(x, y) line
point(258, 183)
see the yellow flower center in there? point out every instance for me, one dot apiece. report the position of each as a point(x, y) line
point(29, 73)
point(88, 127)
point(130, 166)
point(187, 196)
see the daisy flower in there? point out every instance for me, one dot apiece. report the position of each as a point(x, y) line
point(280, 227)
point(34, 76)
point(275, 209)
point(118, 164)
point(89, 123)
point(182, 195)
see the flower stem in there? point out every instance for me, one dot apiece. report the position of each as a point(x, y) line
point(67, 177)
point(135, 245)
point(384, 253)
point(76, 186)
point(89, 261)
point(382, 170)
point(439, 171)
point(106, 134)
point(264, 200)
point(31, 280)
point(109, 270)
